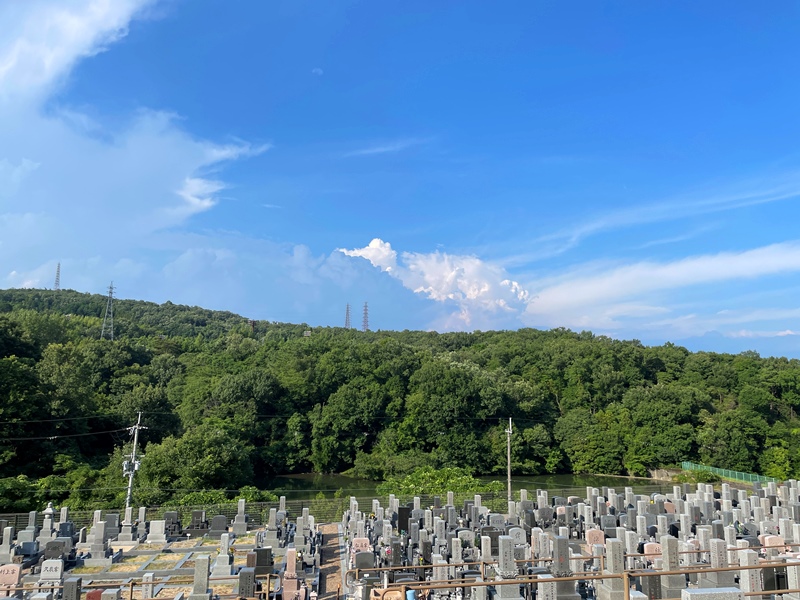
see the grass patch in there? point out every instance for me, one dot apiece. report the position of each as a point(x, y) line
point(84, 570)
point(162, 565)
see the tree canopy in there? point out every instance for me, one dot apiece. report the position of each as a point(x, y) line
point(228, 404)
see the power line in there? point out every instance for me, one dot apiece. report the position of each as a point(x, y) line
point(58, 437)
point(261, 417)
point(107, 416)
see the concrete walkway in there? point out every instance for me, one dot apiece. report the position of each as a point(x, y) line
point(331, 567)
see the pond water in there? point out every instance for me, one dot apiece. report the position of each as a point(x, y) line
point(306, 486)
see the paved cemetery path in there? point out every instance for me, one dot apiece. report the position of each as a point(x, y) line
point(331, 567)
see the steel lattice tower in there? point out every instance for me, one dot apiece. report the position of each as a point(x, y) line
point(365, 322)
point(347, 317)
point(108, 318)
point(57, 284)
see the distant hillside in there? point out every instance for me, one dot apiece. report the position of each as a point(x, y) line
point(227, 405)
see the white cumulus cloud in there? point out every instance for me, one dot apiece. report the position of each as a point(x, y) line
point(378, 252)
point(42, 40)
point(475, 287)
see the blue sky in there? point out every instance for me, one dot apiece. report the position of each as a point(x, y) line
point(630, 168)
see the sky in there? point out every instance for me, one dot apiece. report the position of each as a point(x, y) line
point(627, 168)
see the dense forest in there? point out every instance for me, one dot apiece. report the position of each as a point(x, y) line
point(228, 403)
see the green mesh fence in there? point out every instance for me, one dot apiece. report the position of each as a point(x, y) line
point(727, 473)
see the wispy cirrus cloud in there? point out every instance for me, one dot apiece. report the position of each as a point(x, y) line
point(747, 333)
point(676, 239)
point(387, 147)
point(703, 201)
point(599, 299)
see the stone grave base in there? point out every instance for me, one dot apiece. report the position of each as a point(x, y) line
point(606, 593)
point(98, 562)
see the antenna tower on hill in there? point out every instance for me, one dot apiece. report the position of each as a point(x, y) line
point(347, 317)
point(365, 322)
point(108, 318)
point(57, 284)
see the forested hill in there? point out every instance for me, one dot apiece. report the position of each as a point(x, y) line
point(227, 405)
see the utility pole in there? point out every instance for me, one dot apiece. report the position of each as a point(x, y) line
point(508, 437)
point(129, 468)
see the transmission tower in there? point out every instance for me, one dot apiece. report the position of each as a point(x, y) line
point(347, 317)
point(365, 321)
point(57, 284)
point(108, 318)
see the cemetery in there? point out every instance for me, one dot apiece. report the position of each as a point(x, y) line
point(694, 542)
point(140, 558)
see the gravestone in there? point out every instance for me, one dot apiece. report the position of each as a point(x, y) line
point(613, 589)
point(31, 532)
point(507, 570)
point(224, 562)
point(247, 583)
point(111, 594)
point(671, 585)
point(264, 561)
point(172, 524)
point(158, 532)
point(10, 576)
point(240, 521)
point(72, 589)
point(98, 547)
point(595, 536)
point(749, 579)
point(271, 538)
point(200, 589)
point(198, 526)
point(364, 560)
point(560, 567)
point(8, 550)
point(147, 586)
point(219, 525)
point(290, 582)
point(718, 550)
point(112, 526)
point(57, 549)
point(51, 574)
point(128, 532)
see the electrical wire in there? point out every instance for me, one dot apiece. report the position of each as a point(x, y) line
point(57, 437)
point(59, 420)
